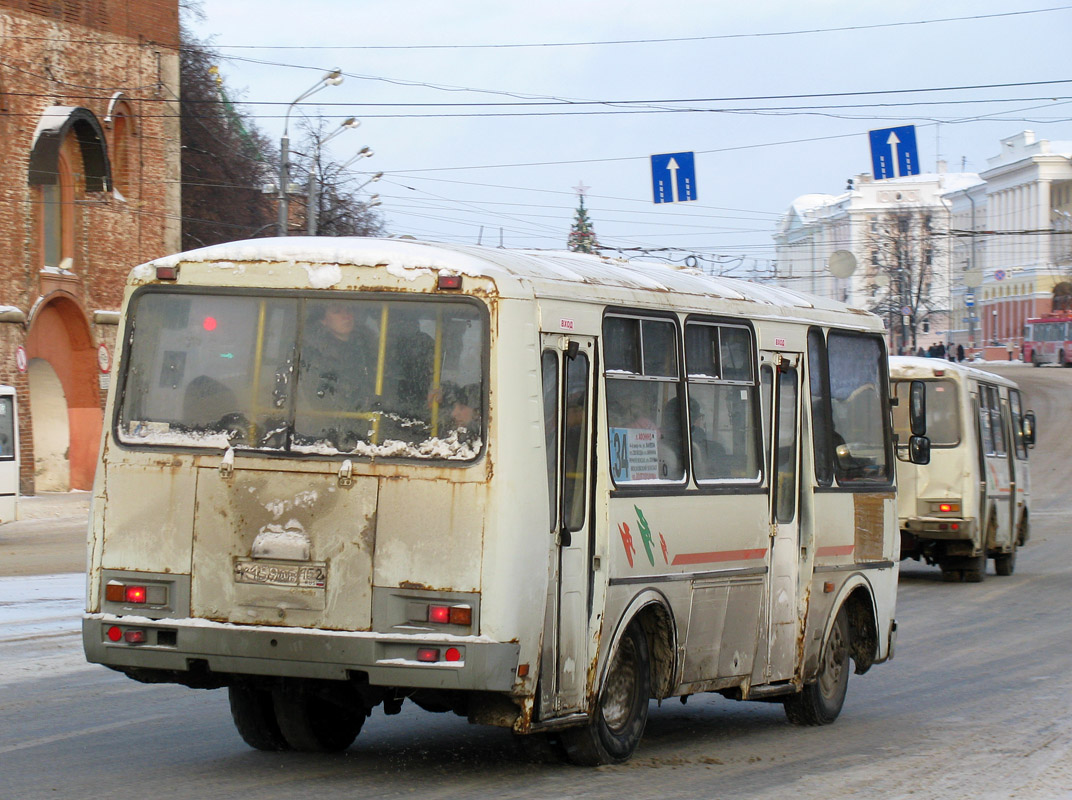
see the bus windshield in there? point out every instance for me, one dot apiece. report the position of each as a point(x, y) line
point(357, 375)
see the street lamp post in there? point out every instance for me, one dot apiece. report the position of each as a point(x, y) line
point(333, 78)
point(314, 184)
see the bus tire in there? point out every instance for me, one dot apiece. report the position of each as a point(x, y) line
point(616, 725)
point(950, 573)
point(253, 713)
point(974, 568)
point(1005, 563)
point(312, 723)
point(819, 703)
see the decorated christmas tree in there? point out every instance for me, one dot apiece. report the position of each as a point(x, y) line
point(582, 237)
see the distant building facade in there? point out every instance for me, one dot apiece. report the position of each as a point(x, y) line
point(999, 240)
point(896, 230)
point(90, 169)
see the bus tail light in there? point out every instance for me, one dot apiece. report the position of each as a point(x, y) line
point(136, 593)
point(449, 615)
point(948, 508)
point(134, 636)
point(428, 654)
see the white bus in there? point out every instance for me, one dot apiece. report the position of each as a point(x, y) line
point(535, 489)
point(972, 501)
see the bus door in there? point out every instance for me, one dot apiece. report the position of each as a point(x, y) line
point(781, 373)
point(995, 482)
point(568, 366)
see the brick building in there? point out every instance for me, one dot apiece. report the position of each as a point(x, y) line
point(89, 187)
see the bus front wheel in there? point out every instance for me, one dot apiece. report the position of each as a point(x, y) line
point(616, 724)
point(819, 703)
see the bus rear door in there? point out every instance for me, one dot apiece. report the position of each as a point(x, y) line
point(567, 365)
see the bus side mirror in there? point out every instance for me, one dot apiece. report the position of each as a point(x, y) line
point(1029, 428)
point(917, 409)
point(919, 450)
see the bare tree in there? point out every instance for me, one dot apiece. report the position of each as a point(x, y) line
point(225, 159)
point(902, 247)
point(336, 190)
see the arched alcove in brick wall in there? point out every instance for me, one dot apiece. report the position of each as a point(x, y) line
point(59, 333)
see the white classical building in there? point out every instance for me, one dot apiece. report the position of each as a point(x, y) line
point(998, 242)
point(859, 221)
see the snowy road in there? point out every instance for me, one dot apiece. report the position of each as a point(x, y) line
point(40, 625)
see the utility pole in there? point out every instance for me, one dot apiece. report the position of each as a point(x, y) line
point(333, 78)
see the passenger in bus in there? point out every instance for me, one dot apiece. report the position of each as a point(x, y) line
point(336, 374)
point(408, 368)
point(459, 411)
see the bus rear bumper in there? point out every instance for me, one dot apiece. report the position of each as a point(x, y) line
point(939, 528)
point(201, 652)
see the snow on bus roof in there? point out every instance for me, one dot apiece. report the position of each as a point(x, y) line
point(924, 367)
point(321, 256)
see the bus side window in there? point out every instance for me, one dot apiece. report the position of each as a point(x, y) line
point(549, 365)
point(819, 382)
point(722, 427)
point(858, 383)
point(1017, 424)
point(643, 384)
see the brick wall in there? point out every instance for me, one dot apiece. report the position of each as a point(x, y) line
point(84, 53)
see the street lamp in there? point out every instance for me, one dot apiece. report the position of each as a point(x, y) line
point(373, 179)
point(364, 152)
point(333, 78)
point(311, 208)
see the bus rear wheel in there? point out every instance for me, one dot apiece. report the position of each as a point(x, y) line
point(312, 721)
point(254, 718)
point(819, 703)
point(616, 724)
point(1005, 563)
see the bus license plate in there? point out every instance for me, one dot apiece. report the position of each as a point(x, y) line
point(301, 576)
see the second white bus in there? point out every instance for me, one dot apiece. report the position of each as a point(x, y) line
point(972, 501)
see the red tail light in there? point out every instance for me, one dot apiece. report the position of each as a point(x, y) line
point(440, 614)
point(134, 594)
point(427, 654)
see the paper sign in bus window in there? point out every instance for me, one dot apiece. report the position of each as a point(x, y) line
point(634, 454)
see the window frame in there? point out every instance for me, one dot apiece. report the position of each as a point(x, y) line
point(299, 295)
point(608, 374)
point(702, 380)
point(883, 391)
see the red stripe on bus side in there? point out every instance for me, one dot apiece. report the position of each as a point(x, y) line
point(723, 555)
point(839, 550)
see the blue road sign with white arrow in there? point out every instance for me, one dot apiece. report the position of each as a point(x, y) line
point(673, 177)
point(893, 152)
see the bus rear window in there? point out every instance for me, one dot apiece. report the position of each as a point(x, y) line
point(305, 375)
point(943, 415)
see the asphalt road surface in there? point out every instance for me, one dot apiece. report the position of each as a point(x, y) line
point(977, 703)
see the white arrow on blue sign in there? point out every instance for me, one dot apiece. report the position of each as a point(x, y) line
point(673, 177)
point(893, 152)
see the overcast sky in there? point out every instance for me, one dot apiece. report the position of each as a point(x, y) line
point(477, 167)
